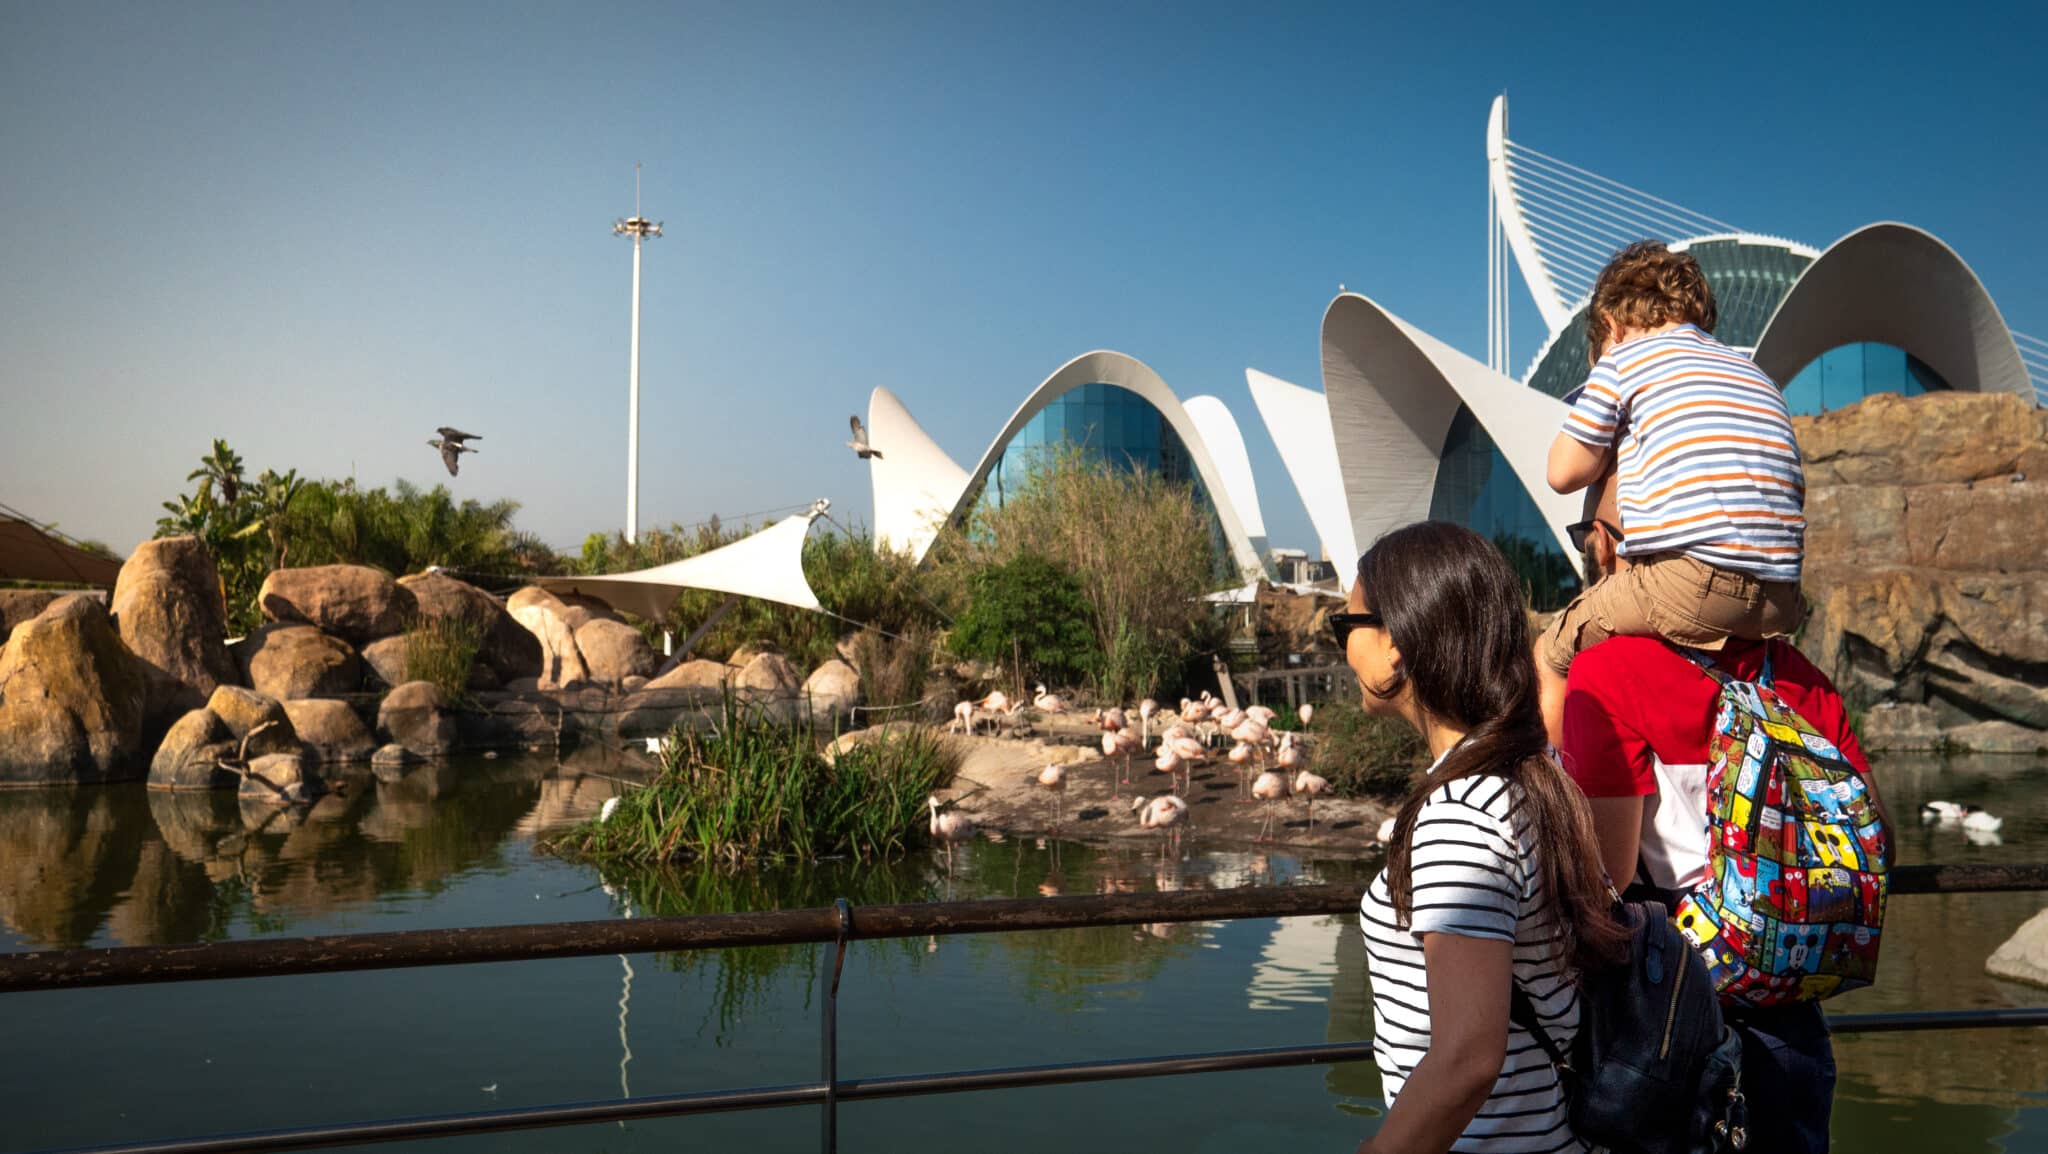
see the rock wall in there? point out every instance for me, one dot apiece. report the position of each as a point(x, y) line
point(1925, 567)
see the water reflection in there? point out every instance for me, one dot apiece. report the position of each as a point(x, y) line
point(128, 866)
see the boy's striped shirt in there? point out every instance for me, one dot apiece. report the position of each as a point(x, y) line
point(1705, 453)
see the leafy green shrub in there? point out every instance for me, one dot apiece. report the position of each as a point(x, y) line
point(1363, 755)
point(443, 650)
point(754, 789)
point(1027, 610)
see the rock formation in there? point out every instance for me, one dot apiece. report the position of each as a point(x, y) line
point(418, 717)
point(18, 606)
point(1924, 567)
point(330, 731)
point(613, 651)
point(190, 754)
point(292, 661)
point(353, 602)
point(167, 604)
point(507, 647)
point(72, 699)
point(553, 625)
point(832, 690)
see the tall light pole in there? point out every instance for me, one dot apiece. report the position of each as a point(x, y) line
point(640, 229)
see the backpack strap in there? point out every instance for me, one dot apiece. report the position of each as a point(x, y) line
point(1700, 658)
point(1522, 1012)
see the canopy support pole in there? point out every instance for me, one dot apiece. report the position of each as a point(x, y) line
point(689, 643)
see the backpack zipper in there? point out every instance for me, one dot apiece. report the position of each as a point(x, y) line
point(1671, 1015)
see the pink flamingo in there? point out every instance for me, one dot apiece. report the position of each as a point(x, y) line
point(1260, 714)
point(1240, 756)
point(1111, 746)
point(949, 827)
point(963, 716)
point(1045, 702)
point(1160, 813)
point(1146, 709)
point(1309, 785)
point(1268, 787)
point(1054, 778)
point(1111, 719)
point(1307, 712)
point(1126, 744)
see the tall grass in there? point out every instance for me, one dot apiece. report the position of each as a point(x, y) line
point(754, 789)
point(443, 650)
point(1363, 755)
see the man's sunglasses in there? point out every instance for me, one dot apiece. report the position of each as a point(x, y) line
point(1341, 625)
point(1580, 530)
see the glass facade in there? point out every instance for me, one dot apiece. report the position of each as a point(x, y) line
point(1476, 487)
point(1748, 281)
point(1847, 374)
point(1113, 424)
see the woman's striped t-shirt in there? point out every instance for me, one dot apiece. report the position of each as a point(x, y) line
point(1474, 873)
point(1704, 449)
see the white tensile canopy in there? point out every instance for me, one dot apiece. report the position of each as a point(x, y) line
point(768, 565)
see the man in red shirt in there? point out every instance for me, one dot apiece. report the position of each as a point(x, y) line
point(1638, 717)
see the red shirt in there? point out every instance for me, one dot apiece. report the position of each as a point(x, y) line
point(1637, 720)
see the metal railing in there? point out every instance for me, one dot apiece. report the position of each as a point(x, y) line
point(839, 925)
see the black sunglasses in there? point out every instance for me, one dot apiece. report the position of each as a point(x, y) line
point(1341, 625)
point(1578, 531)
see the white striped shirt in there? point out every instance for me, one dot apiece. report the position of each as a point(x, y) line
point(1706, 456)
point(1473, 873)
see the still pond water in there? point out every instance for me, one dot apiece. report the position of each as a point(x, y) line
point(453, 846)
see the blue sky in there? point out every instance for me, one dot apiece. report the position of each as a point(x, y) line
point(322, 230)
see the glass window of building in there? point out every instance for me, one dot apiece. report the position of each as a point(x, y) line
point(1477, 488)
point(1845, 375)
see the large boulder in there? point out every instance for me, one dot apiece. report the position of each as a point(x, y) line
point(553, 625)
point(832, 689)
point(250, 717)
point(330, 731)
point(353, 602)
point(613, 651)
point(419, 717)
point(506, 646)
point(72, 699)
point(2024, 956)
point(768, 676)
point(167, 604)
point(699, 674)
point(280, 779)
point(190, 754)
point(293, 661)
point(387, 658)
point(18, 606)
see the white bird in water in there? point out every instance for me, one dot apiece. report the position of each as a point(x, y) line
point(1968, 816)
point(949, 827)
point(859, 444)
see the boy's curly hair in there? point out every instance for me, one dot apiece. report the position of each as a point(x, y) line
point(1645, 286)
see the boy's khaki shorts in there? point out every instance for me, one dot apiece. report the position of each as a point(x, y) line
point(1679, 598)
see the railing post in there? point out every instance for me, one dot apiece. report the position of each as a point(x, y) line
point(829, 1048)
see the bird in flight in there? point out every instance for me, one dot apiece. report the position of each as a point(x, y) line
point(452, 449)
point(859, 444)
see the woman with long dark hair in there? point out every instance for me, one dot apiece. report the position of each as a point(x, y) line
point(1493, 878)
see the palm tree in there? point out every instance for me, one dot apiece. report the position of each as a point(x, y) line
point(222, 468)
point(274, 496)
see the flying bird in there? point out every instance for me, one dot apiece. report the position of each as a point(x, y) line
point(457, 435)
point(451, 453)
point(859, 444)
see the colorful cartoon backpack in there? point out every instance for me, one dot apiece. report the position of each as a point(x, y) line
point(1794, 898)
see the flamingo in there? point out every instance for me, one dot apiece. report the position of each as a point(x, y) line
point(1309, 785)
point(1045, 702)
point(1160, 813)
point(1146, 709)
point(1240, 754)
point(1111, 746)
point(949, 827)
point(1268, 787)
point(996, 701)
point(1306, 712)
point(1054, 778)
point(963, 716)
point(1111, 719)
point(1386, 832)
point(1125, 744)
point(1261, 714)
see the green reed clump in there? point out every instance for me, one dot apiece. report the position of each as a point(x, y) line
point(443, 649)
point(1363, 755)
point(753, 788)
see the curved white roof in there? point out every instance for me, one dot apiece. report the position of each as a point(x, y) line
point(1902, 286)
point(1299, 421)
point(898, 502)
point(1225, 442)
point(1393, 391)
point(916, 483)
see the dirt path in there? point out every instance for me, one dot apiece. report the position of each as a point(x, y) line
point(997, 784)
